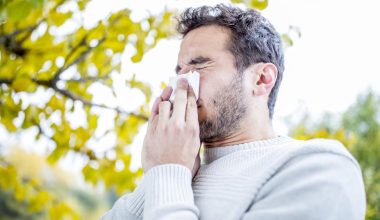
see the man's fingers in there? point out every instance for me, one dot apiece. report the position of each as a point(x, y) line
point(180, 100)
point(165, 95)
point(191, 108)
point(164, 113)
point(155, 108)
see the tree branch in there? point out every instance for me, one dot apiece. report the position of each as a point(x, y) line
point(74, 97)
point(52, 83)
point(87, 79)
point(6, 81)
point(85, 102)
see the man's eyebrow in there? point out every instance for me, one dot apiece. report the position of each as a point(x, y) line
point(195, 61)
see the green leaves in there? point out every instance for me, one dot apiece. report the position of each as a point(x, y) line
point(19, 9)
point(359, 130)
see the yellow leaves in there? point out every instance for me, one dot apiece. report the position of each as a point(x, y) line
point(24, 190)
point(97, 33)
point(88, 59)
point(115, 45)
point(57, 102)
point(9, 68)
point(29, 193)
point(100, 59)
point(136, 58)
point(39, 201)
point(143, 87)
point(57, 18)
point(20, 192)
point(90, 174)
point(92, 121)
point(287, 40)
point(79, 89)
point(82, 4)
point(20, 12)
point(77, 37)
point(62, 211)
point(9, 111)
point(59, 151)
point(8, 176)
point(81, 137)
point(31, 116)
point(301, 133)
point(163, 85)
point(24, 84)
point(41, 44)
point(256, 4)
point(75, 54)
point(8, 123)
point(113, 173)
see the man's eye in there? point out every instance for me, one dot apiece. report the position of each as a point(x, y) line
point(200, 68)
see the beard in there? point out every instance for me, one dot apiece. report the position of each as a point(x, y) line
point(229, 106)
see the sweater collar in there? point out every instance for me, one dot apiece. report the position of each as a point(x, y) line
point(214, 153)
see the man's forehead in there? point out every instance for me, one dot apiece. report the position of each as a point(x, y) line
point(197, 44)
point(207, 36)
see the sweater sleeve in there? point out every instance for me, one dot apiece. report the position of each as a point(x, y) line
point(128, 207)
point(169, 194)
point(312, 187)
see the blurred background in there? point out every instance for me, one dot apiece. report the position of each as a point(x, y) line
point(77, 80)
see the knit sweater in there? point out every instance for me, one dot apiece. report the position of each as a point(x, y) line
point(280, 178)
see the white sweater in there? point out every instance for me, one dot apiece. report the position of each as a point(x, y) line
point(280, 178)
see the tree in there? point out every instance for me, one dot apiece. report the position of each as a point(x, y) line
point(38, 56)
point(35, 58)
point(359, 130)
point(46, 49)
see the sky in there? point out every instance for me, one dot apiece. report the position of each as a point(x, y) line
point(335, 58)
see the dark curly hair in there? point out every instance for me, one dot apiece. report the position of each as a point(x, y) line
point(253, 38)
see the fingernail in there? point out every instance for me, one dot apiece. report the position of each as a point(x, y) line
point(182, 81)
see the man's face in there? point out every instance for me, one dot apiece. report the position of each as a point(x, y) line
point(221, 104)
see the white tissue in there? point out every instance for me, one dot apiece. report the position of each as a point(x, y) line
point(192, 78)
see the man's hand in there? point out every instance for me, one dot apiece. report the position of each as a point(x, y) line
point(173, 134)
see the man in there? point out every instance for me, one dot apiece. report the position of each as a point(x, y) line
point(248, 171)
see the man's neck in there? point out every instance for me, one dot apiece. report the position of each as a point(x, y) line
point(247, 133)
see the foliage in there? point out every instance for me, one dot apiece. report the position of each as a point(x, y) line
point(20, 193)
point(257, 4)
point(31, 188)
point(39, 55)
point(45, 50)
point(359, 130)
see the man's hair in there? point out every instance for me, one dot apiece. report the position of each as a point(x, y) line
point(253, 38)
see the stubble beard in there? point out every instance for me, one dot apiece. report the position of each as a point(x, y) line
point(229, 106)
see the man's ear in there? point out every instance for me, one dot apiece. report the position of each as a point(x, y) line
point(265, 75)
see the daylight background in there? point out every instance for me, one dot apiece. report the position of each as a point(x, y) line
point(77, 80)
